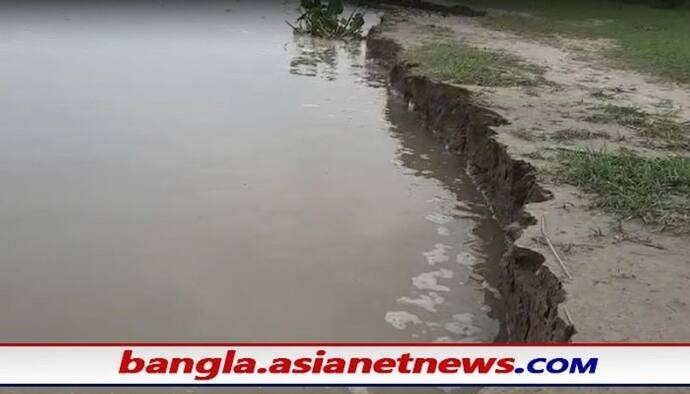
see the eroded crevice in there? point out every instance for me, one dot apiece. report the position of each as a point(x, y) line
point(530, 291)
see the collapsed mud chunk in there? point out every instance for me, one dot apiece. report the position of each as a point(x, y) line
point(513, 230)
point(528, 258)
point(539, 194)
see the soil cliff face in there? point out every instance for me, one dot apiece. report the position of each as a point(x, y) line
point(531, 292)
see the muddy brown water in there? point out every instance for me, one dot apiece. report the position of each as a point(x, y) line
point(193, 171)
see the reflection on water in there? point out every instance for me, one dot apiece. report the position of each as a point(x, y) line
point(463, 256)
point(318, 57)
point(183, 172)
point(314, 57)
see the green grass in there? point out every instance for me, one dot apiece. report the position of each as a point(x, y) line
point(464, 64)
point(656, 191)
point(650, 39)
point(674, 134)
point(660, 130)
point(622, 114)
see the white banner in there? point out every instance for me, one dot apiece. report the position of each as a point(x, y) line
point(439, 364)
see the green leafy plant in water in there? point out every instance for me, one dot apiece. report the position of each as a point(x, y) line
point(324, 19)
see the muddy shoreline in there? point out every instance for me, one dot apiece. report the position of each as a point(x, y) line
point(531, 292)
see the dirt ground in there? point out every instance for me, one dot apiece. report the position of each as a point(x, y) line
point(629, 281)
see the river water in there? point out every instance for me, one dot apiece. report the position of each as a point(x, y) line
point(193, 171)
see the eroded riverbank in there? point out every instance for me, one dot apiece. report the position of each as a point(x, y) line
point(531, 292)
point(625, 281)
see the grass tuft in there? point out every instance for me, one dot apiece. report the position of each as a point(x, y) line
point(678, 134)
point(654, 190)
point(660, 130)
point(530, 135)
point(623, 115)
point(464, 64)
point(577, 134)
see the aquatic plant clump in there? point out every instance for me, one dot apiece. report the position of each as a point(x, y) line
point(324, 19)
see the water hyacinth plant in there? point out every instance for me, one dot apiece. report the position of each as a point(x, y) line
point(324, 19)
